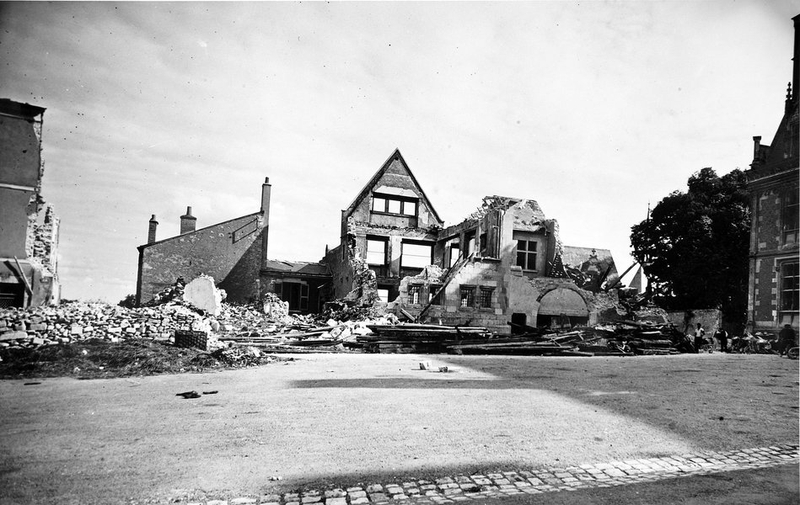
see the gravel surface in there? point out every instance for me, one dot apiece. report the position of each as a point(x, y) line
point(335, 420)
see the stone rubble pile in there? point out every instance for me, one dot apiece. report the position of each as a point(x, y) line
point(77, 321)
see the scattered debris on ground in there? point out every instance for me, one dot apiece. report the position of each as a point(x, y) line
point(94, 340)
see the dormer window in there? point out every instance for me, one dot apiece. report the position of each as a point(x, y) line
point(393, 204)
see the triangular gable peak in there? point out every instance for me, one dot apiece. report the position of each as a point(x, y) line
point(394, 178)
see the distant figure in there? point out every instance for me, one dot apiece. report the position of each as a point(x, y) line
point(785, 339)
point(699, 335)
point(721, 336)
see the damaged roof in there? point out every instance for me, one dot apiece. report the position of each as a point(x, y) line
point(377, 176)
point(577, 256)
point(496, 202)
point(298, 267)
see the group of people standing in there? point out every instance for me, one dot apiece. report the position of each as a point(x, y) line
point(786, 340)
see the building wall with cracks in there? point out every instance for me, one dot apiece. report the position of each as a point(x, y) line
point(29, 228)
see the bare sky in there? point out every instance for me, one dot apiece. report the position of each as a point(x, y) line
point(593, 109)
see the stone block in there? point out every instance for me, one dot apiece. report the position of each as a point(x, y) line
point(203, 294)
point(13, 335)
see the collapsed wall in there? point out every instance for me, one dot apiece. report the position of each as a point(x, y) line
point(28, 226)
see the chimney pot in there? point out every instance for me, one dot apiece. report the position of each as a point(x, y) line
point(188, 222)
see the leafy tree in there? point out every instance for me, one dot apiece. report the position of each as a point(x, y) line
point(694, 245)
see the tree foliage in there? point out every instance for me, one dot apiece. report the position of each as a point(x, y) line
point(694, 245)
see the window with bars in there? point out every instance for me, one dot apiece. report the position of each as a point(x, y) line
point(526, 254)
point(414, 292)
point(467, 296)
point(485, 298)
point(790, 287)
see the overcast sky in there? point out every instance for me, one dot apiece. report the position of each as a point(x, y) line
point(593, 109)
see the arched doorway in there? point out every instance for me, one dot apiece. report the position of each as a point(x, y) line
point(562, 308)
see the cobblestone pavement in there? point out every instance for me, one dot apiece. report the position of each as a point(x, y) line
point(464, 488)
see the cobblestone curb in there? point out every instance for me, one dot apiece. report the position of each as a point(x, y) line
point(463, 488)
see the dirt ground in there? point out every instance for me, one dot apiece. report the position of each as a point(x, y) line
point(344, 419)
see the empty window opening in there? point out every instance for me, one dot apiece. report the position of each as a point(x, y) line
point(376, 251)
point(414, 257)
point(433, 290)
point(455, 251)
point(394, 205)
point(296, 293)
point(469, 238)
point(383, 295)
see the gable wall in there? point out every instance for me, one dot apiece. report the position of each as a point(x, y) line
point(211, 251)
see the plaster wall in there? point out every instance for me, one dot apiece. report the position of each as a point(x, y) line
point(14, 222)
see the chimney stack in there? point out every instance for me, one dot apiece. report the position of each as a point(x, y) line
point(756, 148)
point(188, 222)
point(266, 194)
point(151, 231)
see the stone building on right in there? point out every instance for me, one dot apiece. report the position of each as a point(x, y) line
point(772, 185)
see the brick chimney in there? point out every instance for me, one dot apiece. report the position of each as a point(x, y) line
point(188, 222)
point(151, 231)
point(266, 194)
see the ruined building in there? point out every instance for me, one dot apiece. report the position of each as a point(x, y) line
point(28, 226)
point(772, 184)
point(234, 253)
point(503, 264)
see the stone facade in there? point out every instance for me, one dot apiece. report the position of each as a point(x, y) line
point(28, 227)
point(774, 273)
point(391, 225)
point(503, 264)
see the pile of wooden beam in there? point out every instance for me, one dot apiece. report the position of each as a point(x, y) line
point(412, 337)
